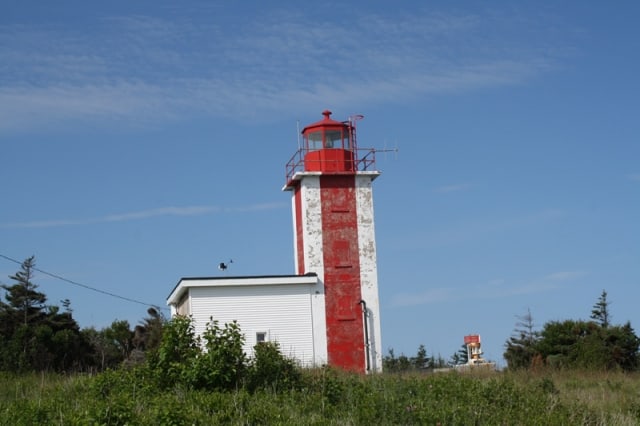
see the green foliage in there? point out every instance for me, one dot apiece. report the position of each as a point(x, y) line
point(270, 369)
point(420, 362)
point(216, 361)
point(34, 336)
point(40, 337)
point(460, 357)
point(600, 311)
point(148, 335)
point(327, 396)
point(222, 363)
point(26, 304)
point(119, 336)
point(177, 352)
point(596, 345)
point(403, 363)
point(521, 347)
point(111, 346)
point(581, 344)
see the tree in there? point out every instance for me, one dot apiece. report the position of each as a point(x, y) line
point(421, 361)
point(586, 344)
point(389, 361)
point(561, 343)
point(592, 345)
point(625, 347)
point(148, 335)
point(120, 336)
point(394, 364)
point(521, 346)
point(34, 336)
point(438, 361)
point(25, 302)
point(600, 311)
point(460, 357)
point(402, 363)
point(111, 345)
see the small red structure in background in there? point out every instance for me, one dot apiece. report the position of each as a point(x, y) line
point(472, 338)
point(474, 350)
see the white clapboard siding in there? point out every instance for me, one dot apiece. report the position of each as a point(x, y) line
point(282, 311)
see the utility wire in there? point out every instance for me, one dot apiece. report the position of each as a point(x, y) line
point(84, 285)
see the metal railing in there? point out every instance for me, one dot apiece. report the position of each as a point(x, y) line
point(365, 160)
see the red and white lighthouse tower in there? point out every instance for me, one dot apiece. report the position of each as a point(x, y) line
point(334, 237)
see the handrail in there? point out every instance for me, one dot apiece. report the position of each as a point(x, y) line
point(362, 163)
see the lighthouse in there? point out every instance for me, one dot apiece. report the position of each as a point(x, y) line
point(330, 180)
point(327, 311)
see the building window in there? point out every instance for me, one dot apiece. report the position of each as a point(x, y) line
point(261, 336)
point(315, 141)
point(333, 139)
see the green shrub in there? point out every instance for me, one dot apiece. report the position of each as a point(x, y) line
point(182, 360)
point(177, 352)
point(222, 364)
point(270, 369)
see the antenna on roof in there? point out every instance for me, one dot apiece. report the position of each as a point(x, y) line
point(298, 132)
point(223, 266)
point(386, 150)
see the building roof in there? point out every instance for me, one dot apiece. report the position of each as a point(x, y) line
point(189, 282)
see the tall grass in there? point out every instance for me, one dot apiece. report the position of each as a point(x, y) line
point(609, 397)
point(328, 397)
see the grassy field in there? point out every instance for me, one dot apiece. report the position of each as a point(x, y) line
point(329, 397)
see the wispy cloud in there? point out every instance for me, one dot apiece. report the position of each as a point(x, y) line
point(495, 289)
point(144, 214)
point(562, 276)
point(549, 282)
point(141, 69)
point(433, 295)
point(453, 188)
point(634, 177)
point(475, 230)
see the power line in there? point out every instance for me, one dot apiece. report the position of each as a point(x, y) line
point(117, 296)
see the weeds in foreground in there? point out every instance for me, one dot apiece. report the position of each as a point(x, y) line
point(326, 396)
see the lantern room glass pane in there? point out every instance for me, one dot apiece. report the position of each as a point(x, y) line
point(333, 139)
point(314, 141)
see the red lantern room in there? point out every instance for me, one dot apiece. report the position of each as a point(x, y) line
point(329, 146)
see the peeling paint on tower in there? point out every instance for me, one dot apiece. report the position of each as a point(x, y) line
point(335, 238)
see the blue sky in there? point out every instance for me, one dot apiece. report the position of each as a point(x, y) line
point(142, 142)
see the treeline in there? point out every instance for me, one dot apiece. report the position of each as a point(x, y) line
point(421, 361)
point(38, 336)
point(596, 344)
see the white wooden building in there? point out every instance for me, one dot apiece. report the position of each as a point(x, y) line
point(288, 309)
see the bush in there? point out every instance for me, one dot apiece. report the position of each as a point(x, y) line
point(222, 364)
point(182, 360)
point(270, 369)
point(176, 354)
